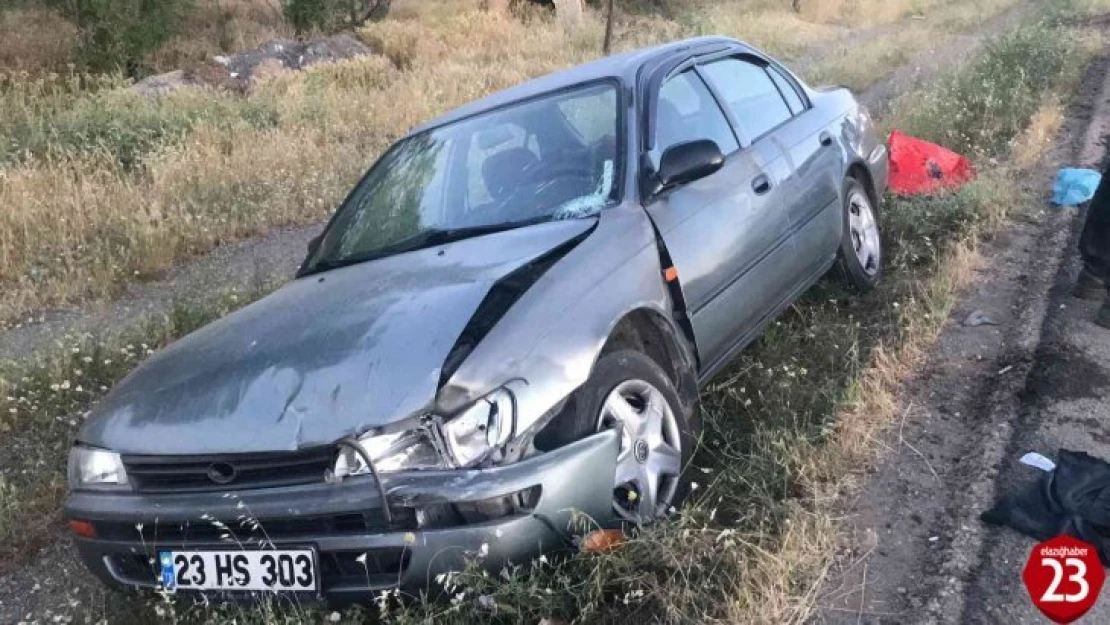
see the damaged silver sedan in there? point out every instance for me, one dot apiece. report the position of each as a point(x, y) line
point(502, 329)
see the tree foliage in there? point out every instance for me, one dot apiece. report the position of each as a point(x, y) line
point(332, 15)
point(117, 34)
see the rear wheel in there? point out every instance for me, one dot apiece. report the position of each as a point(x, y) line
point(861, 248)
point(630, 392)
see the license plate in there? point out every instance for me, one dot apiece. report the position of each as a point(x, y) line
point(278, 570)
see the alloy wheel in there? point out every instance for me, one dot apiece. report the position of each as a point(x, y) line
point(864, 229)
point(650, 458)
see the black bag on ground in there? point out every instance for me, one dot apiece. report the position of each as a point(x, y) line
point(1072, 499)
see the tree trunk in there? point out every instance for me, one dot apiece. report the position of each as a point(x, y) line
point(608, 45)
point(569, 11)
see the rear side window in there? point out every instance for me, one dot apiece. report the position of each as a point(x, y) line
point(686, 111)
point(788, 89)
point(750, 94)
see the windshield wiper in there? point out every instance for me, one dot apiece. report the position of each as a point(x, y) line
point(421, 240)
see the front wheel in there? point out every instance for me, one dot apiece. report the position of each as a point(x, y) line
point(860, 258)
point(629, 391)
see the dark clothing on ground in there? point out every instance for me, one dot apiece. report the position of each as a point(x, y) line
point(1094, 243)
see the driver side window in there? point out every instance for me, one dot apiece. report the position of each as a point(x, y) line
point(686, 111)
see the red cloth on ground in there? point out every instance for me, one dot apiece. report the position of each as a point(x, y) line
point(918, 166)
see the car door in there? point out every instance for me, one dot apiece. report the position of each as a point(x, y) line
point(816, 213)
point(724, 233)
point(768, 105)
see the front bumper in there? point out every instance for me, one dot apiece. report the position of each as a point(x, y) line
point(343, 521)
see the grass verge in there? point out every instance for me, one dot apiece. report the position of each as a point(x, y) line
point(43, 404)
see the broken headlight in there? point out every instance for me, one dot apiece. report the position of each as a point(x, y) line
point(486, 425)
point(411, 450)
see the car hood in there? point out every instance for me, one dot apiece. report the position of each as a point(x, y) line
point(326, 356)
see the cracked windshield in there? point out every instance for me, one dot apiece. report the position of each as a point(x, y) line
point(551, 158)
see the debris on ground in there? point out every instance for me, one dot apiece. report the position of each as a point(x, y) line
point(243, 69)
point(161, 84)
point(978, 318)
point(1075, 186)
point(602, 541)
point(918, 167)
point(1073, 498)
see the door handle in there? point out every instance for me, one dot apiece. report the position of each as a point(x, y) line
point(825, 138)
point(761, 184)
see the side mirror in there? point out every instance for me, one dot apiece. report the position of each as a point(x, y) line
point(687, 162)
point(314, 243)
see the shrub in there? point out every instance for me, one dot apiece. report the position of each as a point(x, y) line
point(980, 109)
point(117, 34)
point(330, 15)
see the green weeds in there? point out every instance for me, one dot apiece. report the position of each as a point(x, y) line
point(57, 117)
point(981, 108)
point(43, 404)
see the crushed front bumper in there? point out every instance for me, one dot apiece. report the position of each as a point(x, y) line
point(343, 521)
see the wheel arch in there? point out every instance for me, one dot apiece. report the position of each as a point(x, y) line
point(858, 171)
point(648, 331)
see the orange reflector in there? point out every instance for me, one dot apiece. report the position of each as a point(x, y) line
point(670, 274)
point(82, 528)
point(602, 541)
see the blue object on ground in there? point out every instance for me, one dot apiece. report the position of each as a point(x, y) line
point(1075, 186)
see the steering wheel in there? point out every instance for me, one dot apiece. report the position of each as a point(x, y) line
point(554, 186)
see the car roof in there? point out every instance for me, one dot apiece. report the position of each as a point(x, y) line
point(623, 67)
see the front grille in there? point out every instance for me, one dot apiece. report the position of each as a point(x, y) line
point(249, 531)
point(172, 474)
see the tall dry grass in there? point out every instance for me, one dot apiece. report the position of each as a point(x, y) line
point(219, 27)
point(102, 187)
point(35, 39)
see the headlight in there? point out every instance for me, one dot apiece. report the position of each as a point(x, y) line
point(479, 429)
point(95, 468)
point(402, 451)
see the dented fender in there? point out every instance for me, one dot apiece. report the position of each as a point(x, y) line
point(549, 341)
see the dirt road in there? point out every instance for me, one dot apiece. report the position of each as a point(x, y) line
point(989, 393)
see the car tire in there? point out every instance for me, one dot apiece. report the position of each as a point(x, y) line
point(860, 258)
point(632, 374)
